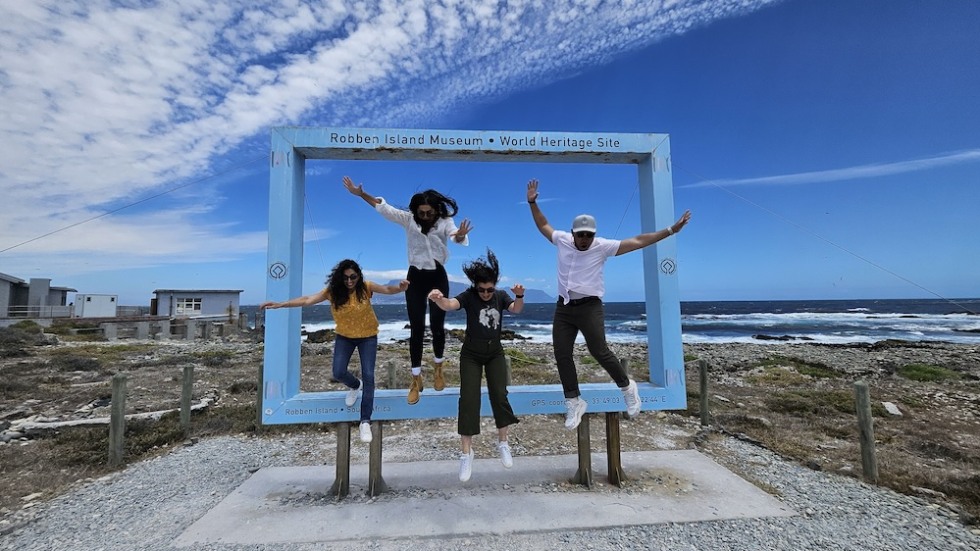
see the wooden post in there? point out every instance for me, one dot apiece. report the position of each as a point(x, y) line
point(507, 370)
point(117, 421)
point(703, 370)
point(584, 474)
point(376, 484)
point(341, 484)
point(614, 462)
point(392, 376)
point(869, 461)
point(258, 398)
point(186, 393)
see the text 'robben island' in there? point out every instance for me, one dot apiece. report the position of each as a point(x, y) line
point(478, 142)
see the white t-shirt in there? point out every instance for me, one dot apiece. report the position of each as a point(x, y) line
point(424, 250)
point(580, 272)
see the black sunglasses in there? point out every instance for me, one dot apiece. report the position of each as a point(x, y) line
point(486, 290)
point(426, 213)
point(352, 277)
point(585, 234)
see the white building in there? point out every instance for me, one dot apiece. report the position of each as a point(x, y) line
point(196, 303)
point(95, 306)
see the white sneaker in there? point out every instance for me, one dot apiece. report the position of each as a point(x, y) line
point(352, 394)
point(505, 457)
point(466, 466)
point(632, 396)
point(366, 435)
point(576, 409)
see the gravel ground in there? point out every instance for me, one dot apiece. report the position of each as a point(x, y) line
point(149, 504)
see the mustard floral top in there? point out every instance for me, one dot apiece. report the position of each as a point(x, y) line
point(356, 319)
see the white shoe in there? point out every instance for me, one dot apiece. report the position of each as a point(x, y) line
point(366, 435)
point(505, 457)
point(632, 396)
point(576, 409)
point(352, 394)
point(466, 466)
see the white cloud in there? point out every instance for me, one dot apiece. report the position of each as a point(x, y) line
point(850, 173)
point(385, 276)
point(102, 104)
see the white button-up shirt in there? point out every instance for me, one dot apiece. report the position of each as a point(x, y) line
point(580, 272)
point(424, 249)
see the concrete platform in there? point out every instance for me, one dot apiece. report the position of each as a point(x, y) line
point(426, 499)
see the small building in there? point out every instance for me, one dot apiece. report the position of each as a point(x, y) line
point(196, 303)
point(33, 299)
point(95, 306)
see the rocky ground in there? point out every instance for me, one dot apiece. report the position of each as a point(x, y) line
point(797, 400)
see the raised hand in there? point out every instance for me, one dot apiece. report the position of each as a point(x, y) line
point(464, 228)
point(681, 222)
point(355, 189)
point(532, 191)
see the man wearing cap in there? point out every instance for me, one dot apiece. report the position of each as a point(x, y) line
point(581, 258)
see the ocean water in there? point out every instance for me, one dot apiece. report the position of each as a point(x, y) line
point(821, 321)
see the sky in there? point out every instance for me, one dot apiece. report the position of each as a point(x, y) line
point(827, 150)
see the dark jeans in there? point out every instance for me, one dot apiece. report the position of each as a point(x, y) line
point(367, 349)
point(587, 316)
point(421, 282)
point(476, 355)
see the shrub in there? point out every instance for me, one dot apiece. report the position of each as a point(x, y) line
point(28, 326)
point(928, 373)
point(75, 363)
point(16, 340)
point(214, 358)
point(243, 387)
point(803, 367)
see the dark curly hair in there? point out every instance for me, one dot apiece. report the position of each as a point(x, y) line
point(483, 271)
point(339, 294)
point(445, 207)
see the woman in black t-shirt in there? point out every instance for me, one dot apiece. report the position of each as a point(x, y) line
point(484, 305)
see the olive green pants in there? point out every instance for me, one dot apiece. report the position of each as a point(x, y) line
point(475, 356)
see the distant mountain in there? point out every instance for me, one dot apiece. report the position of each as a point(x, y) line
point(530, 295)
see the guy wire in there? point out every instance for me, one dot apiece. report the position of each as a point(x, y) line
point(829, 242)
point(632, 195)
point(316, 238)
point(126, 206)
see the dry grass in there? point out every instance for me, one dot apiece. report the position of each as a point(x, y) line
point(802, 410)
point(807, 413)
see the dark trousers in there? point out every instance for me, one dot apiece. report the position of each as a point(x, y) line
point(476, 355)
point(421, 282)
point(367, 348)
point(585, 315)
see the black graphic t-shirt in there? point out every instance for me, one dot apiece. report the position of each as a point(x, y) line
point(484, 319)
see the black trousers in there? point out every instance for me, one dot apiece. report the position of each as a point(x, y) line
point(421, 282)
point(585, 315)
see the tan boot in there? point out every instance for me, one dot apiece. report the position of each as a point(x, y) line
point(415, 390)
point(440, 381)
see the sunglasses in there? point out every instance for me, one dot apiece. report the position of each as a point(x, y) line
point(426, 213)
point(352, 277)
point(584, 234)
point(487, 290)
